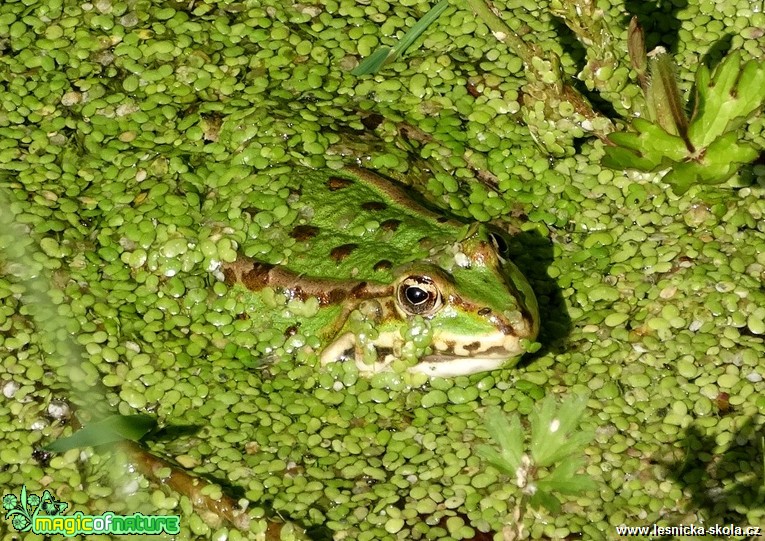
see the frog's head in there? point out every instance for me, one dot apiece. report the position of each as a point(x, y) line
point(471, 302)
point(481, 310)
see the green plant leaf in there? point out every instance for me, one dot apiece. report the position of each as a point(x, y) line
point(574, 484)
point(565, 480)
point(113, 428)
point(373, 62)
point(542, 498)
point(565, 470)
point(570, 413)
point(495, 458)
point(572, 445)
point(727, 99)
point(655, 140)
point(507, 433)
point(636, 50)
point(623, 157)
point(665, 106)
point(554, 433)
point(721, 161)
point(650, 149)
point(384, 55)
point(724, 156)
point(541, 436)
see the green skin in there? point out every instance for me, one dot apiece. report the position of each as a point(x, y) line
point(376, 277)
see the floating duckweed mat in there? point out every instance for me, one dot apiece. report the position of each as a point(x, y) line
point(135, 136)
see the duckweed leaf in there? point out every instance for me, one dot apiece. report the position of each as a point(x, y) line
point(112, 429)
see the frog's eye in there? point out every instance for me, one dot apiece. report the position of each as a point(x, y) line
point(500, 244)
point(418, 296)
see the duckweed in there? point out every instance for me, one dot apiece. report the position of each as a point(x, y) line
point(129, 142)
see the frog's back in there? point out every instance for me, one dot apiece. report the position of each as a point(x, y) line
point(354, 224)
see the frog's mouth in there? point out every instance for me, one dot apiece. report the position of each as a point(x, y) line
point(453, 355)
point(463, 356)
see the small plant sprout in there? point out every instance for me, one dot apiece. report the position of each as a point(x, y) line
point(706, 149)
point(546, 467)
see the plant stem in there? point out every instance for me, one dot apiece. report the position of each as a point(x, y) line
point(500, 30)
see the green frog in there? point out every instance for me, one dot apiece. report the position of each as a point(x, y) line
point(369, 274)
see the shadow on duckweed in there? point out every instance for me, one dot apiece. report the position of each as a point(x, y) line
point(659, 20)
point(533, 254)
point(719, 493)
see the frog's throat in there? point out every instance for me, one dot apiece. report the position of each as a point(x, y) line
point(447, 367)
point(256, 275)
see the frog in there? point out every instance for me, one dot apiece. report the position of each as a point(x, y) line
point(376, 274)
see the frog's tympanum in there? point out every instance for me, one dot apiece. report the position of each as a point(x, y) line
point(376, 277)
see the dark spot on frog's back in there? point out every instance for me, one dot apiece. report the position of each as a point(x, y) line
point(337, 183)
point(374, 206)
point(257, 277)
point(333, 296)
point(254, 276)
point(390, 225)
point(304, 232)
point(341, 252)
point(382, 265)
point(359, 290)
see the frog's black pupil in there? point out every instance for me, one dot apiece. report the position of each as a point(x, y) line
point(500, 243)
point(416, 295)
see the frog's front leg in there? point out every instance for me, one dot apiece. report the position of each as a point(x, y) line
point(341, 349)
point(358, 339)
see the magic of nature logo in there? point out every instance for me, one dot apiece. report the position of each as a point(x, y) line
point(29, 512)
